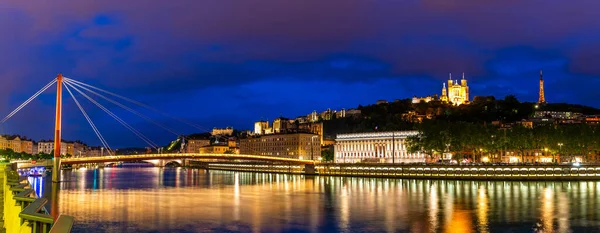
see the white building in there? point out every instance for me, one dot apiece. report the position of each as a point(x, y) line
point(71, 148)
point(375, 147)
point(45, 147)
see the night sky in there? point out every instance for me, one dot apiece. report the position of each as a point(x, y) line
point(230, 63)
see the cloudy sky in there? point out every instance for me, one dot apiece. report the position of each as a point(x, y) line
point(229, 63)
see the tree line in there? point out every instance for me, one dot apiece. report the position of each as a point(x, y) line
point(474, 141)
point(9, 154)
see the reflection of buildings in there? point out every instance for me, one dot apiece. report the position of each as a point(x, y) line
point(262, 203)
point(289, 145)
point(375, 147)
point(231, 204)
point(460, 221)
point(456, 93)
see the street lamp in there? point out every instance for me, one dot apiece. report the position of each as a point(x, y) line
point(493, 148)
point(393, 148)
point(448, 151)
point(101, 151)
point(559, 151)
point(311, 147)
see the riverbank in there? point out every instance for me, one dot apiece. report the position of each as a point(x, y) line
point(2, 177)
point(443, 172)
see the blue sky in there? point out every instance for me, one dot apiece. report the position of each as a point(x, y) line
point(230, 63)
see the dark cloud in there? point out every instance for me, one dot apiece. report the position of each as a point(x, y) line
point(208, 60)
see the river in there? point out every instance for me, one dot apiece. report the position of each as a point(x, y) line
point(185, 200)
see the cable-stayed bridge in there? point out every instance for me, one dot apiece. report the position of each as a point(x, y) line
point(91, 93)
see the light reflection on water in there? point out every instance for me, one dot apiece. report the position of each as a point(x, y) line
point(180, 200)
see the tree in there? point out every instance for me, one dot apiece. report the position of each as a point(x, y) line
point(327, 155)
point(229, 152)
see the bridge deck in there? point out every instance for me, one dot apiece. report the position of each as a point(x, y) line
point(117, 158)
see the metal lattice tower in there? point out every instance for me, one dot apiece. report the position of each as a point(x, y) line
point(542, 99)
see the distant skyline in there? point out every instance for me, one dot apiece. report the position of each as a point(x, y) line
point(222, 63)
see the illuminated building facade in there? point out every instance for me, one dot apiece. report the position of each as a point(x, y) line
point(381, 147)
point(260, 127)
point(220, 148)
point(3, 143)
point(455, 93)
point(71, 148)
point(222, 131)
point(592, 119)
point(16, 144)
point(281, 125)
point(194, 145)
point(45, 147)
point(285, 126)
point(290, 145)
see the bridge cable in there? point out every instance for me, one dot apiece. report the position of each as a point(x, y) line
point(145, 106)
point(133, 130)
point(27, 101)
point(124, 107)
point(137, 133)
point(102, 140)
point(141, 104)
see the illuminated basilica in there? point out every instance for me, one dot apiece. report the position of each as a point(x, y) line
point(456, 93)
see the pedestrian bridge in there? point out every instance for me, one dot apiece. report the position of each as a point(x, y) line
point(178, 156)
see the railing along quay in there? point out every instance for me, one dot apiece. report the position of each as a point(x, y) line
point(465, 172)
point(269, 168)
point(24, 211)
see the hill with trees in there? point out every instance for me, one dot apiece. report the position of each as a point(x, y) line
point(483, 110)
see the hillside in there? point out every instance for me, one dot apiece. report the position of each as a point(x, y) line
point(389, 116)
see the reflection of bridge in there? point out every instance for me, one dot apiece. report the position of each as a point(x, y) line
point(144, 157)
point(180, 158)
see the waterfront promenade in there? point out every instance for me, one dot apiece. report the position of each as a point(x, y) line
point(2, 177)
point(23, 210)
point(449, 172)
point(412, 171)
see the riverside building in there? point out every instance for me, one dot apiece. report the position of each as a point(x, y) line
point(376, 147)
point(286, 145)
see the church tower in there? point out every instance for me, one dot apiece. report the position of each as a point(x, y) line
point(463, 83)
point(444, 97)
point(542, 99)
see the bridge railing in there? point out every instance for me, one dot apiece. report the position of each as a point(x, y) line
point(485, 172)
point(24, 211)
point(184, 155)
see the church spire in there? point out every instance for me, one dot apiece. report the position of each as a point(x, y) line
point(463, 77)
